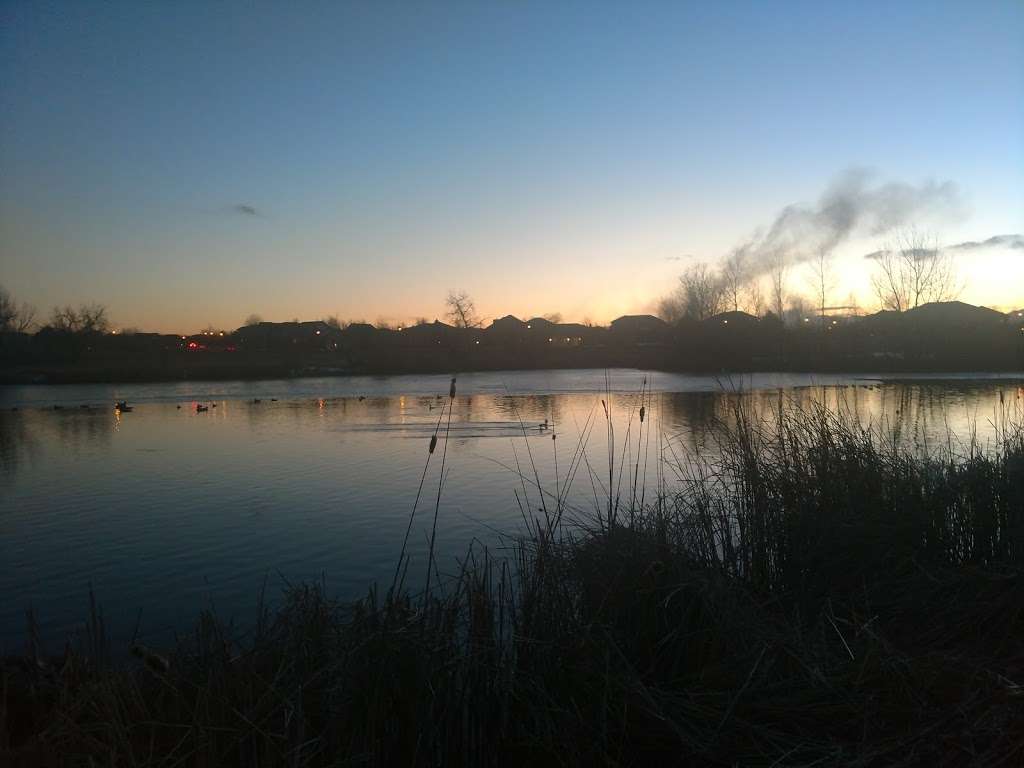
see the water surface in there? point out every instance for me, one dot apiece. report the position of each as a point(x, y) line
point(166, 510)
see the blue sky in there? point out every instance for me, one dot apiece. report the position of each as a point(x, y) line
point(543, 156)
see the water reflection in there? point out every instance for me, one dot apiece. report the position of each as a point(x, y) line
point(164, 507)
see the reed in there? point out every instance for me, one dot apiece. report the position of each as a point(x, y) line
point(811, 593)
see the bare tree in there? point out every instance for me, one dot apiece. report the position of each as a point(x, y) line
point(253, 319)
point(461, 310)
point(699, 295)
point(8, 309)
point(912, 270)
point(88, 318)
point(13, 316)
point(754, 298)
point(735, 279)
point(778, 270)
point(670, 308)
point(94, 318)
point(821, 279)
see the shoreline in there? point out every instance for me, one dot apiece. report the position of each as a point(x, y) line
point(77, 376)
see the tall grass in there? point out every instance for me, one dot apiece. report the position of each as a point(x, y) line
point(811, 593)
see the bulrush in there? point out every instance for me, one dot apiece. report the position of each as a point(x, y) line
point(451, 392)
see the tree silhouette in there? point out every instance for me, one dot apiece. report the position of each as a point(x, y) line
point(912, 270)
point(461, 310)
point(88, 318)
point(15, 317)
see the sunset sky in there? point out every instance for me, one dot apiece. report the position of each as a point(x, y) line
point(192, 163)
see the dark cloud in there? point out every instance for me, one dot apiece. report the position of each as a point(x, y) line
point(244, 209)
point(997, 241)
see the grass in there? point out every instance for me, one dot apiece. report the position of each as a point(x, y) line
point(811, 593)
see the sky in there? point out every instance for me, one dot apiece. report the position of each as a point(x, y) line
point(188, 164)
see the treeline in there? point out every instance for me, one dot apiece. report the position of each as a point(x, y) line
point(909, 271)
point(946, 336)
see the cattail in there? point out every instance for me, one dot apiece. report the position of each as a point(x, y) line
point(553, 435)
point(642, 411)
point(451, 392)
point(433, 442)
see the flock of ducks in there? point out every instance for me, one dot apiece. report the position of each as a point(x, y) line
point(121, 406)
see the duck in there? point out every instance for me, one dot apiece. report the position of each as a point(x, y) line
point(122, 405)
point(200, 408)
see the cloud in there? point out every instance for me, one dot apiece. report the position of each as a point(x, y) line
point(679, 258)
point(997, 241)
point(1015, 242)
point(245, 210)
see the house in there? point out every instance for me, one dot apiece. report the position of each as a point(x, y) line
point(953, 315)
point(732, 320)
point(267, 336)
point(639, 330)
point(508, 325)
point(438, 334)
point(506, 331)
point(574, 334)
point(359, 334)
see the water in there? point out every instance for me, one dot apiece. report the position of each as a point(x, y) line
point(165, 511)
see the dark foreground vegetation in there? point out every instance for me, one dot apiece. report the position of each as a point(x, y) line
point(941, 336)
point(819, 595)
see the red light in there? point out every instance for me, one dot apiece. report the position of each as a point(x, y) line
point(193, 345)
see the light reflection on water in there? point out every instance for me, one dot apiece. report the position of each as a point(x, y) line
point(166, 510)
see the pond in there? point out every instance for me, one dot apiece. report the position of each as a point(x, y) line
point(164, 510)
